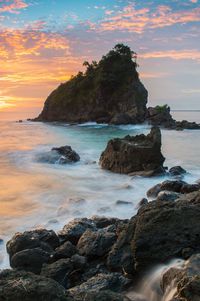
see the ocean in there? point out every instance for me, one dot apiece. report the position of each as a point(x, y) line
point(34, 194)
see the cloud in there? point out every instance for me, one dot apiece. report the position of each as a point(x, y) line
point(187, 54)
point(12, 6)
point(139, 20)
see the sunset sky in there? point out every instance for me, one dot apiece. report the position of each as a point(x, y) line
point(44, 42)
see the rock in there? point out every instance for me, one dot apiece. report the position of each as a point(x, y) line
point(141, 203)
point(24, 286)
point(120, 258)
point(109, 91)
point(96, 243)
point(75, 229)
point(187, 188)
point(79, 261)
point(113, 281)
point(177, 171)
point(160, 116)
point(103, 222)
point(40, 238)
point(184, 124)
point(59, 155)
point(59, 271)
point(167, 185)
point(120, 202)
point(167, 196)
point(134, 154)
point(30, 260)
point(66, 250)
point(163, 230)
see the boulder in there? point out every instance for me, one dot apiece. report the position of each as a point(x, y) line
point(134, 154)
point(40, 238)
point(184, 124)
point(30, 260)
point(96, 243)
point(24, 286)
point(173, 186)
point(177, 171)
point(106, 295)
point(163, 230)
point(66, 250)
point(112, 281)
point(75, 229)
point(167, 196)
point(59, 155)
point(59, 271)
point(160, 116)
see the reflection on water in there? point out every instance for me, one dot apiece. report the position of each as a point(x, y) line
point(34, 194)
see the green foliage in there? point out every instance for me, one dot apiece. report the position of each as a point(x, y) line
point(113, 72)
point(162, 109)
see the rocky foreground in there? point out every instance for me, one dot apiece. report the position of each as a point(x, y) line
point(100, 258)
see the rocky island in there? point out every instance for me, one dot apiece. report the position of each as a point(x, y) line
point(109, 91)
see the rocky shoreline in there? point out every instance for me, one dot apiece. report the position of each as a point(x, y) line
point(99, 258)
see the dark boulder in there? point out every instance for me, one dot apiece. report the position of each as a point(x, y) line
point(66, 250)
point(134, 154)
point(177, 171)
point(112, 281)
point(59, 271)
point(167, 196)
point(41, 238)
point(24, 286)
point(75, 229)
point(163, 230)
point(96, 243)
point(59, 155)
point(184, 124)
point(173, 186)
point(160, 116)
point(105, 296)
point(30, 260)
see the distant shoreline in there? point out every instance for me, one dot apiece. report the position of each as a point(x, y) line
point(185, 110)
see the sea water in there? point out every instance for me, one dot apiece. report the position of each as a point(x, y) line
point(34, 194)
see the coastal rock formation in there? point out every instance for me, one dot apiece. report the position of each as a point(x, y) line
point(138, 155)
point(102, 256)
point(60, 155)
point(109, 91)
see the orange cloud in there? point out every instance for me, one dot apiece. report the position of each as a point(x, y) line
point(138, 20)
point(12, 6)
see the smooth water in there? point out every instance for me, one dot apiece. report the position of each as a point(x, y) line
point(33, 194)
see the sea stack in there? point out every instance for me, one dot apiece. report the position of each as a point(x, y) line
point(109, 91)
point(134, 155)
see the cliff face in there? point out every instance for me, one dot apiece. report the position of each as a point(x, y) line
point(109, 91)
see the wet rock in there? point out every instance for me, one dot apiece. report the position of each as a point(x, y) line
point(141, 203)
point(96, 243)
point(24, 286)
point(103, 222)
point(120, 202)
point(59, 155)
point(113, 281)
point(66, 250)
point(167, 185)
point(79, 261)
point(40, 238)
point(122, 119)
point(75, 229)
point(30, 260)
point(59, 271)
point(167, 196)
point(139, 154)
point(187, 188)
point(177, 171)
point(163, 230)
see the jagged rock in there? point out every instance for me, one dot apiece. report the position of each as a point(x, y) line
point(96, 243)
point(75, 229)
point(109, 91)
point(160, 116)
point(40, 238)
point(106, 296)
point(167, 185)
point(24, 286)
point(59, 271)
point(177, 171)
point(30, 260)
point(167, 196)
point(59, 155)
point(134, 154)
point(184, 124)
point(163, 230)
point(66, 250)
point(141, 203)
point(113, 281)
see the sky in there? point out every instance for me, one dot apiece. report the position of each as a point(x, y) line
point(44, 42)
